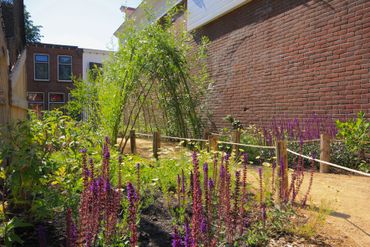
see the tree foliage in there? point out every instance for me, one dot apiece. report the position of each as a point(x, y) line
point(32, 31)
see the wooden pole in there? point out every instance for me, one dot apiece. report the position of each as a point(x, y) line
point(236, 139)
point(324, 152)
point(205, 136)
point(133, 141)
point(282, 161)
point(156, 144)
point(213, 142)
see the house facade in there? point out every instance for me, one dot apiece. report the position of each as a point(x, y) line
point(93, 58)
point(282, 59)
point(13, 105)
point(50, 72)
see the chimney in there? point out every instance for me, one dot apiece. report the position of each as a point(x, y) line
point(127, 10)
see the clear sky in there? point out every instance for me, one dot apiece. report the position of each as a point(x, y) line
point(85, 23)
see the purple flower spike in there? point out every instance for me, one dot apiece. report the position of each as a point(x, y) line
point(188, 240)
point(106, 154)
point(203, 226)
point(132, 198)
point(205, 167)
point(176, 239)
point(107, 139)
point(245, 158)
point(260, 183)
point(183, 181)
point(211, 184)
point(227, 156)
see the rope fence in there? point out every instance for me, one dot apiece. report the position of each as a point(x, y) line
point(280, 148)
point(329, 164)
point(247, 145)
point(184, 139)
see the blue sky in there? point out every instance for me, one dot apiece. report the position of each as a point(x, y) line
point(85, 23)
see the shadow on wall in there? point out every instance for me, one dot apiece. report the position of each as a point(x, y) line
point(199, 3)
point(254, 12)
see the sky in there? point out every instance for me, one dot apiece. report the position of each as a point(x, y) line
point(83, 23)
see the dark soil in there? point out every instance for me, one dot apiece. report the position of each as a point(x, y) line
point(155, 226)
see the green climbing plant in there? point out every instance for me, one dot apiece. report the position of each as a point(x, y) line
point(155, 80)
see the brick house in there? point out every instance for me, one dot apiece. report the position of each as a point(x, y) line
point(280, 59)
point(50, 73)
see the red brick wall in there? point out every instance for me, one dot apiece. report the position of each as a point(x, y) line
point(290, 58)
point(53, 85)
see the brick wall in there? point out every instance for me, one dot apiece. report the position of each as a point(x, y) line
point(53, 85)
point(290, 58)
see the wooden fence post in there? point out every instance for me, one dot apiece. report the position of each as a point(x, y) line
point(213, 142)
point(324, 152)
point(133, 141)
point(156, 144)
point(236, 139)
point(205, 136)
point(282, 161)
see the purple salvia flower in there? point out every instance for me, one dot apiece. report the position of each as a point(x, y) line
point(71, 238)
point(85, 170)
point(183, 189)
point(273, 179)
point(260, 184)
point(178, 190)
point(132, 198)
point(203, 226)
point(197, 203)
point(227, 156)
point(205, 186)
point(92, 171)
point(188, 240)
point(263, 214)
point(236, 198)
point(138, 181)
point(120, 172)
point(304, 201)
point(211, 184)
point(281, 180)
point(228, 216)
point(215, 161)
point(176, 239)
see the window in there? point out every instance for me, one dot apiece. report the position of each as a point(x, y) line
point(64, 68)
point(56, 100)
point(41, 67)
point(94, 69)
point(35, 100)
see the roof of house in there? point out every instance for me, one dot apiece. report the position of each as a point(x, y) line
point(158, 8)
point(53, 46)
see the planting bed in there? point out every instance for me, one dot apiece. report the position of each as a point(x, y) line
point(345, 195)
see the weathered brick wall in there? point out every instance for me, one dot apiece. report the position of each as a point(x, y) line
point(290, 58)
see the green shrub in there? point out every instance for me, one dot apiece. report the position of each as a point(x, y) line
point(355, 134)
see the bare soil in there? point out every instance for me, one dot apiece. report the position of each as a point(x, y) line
point(347, 196)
